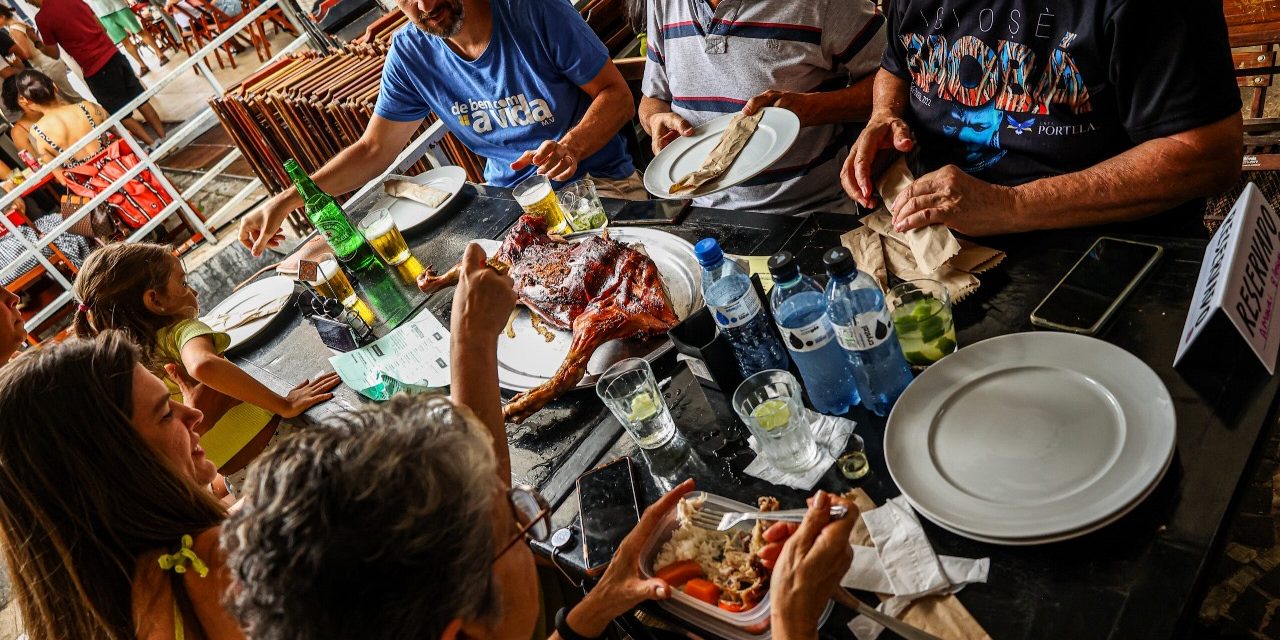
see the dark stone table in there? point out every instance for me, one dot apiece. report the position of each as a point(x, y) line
point(1138, 578)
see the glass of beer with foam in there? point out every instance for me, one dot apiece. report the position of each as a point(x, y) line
point(332, 282)
point(535, 195)
point(379, 228)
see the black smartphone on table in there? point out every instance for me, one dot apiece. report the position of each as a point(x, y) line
point(610, 509)
point(1095, 287)
point(650, 213)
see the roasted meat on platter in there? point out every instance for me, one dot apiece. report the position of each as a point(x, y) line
point(600, 289)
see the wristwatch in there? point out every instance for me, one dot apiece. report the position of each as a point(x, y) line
point(566, 632)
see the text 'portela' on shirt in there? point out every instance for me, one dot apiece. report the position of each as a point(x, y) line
point(1012, 91)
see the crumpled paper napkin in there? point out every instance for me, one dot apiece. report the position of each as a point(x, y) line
point(903, 563)
point(930, 252)
point(831, 435)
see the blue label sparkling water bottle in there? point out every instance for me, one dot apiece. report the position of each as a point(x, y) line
point(864, 329)
point(800, 309)
point(733, 302)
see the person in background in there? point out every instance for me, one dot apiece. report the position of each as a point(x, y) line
point(25, 37)
point(13, 330)
point(121, 25)
point(60, 123)
point(21, 114)
point(523, 83)
point(708, 58)
point(141, 290)
point(1034, 117)
point(75, 247)
point(71, 24)
point(423, 485)
point(108, 527)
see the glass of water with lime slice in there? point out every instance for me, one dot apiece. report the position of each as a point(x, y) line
point(770, 404)
point(921, 311)
point(630, 391)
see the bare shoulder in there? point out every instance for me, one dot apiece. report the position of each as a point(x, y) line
point(153, 595)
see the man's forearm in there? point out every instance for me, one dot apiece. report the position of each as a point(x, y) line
point(351, 169)
point(1151, 177)
point(610, 109)
point(650, 107)
point(474, 381)
point(850, 104)
point(889, 94)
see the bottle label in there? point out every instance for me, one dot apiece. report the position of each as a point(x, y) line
point(738, 312)
point(867, 331)
point(810, 337)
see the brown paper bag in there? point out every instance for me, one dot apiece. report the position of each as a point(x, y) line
point(976, 258)
point(867, 252)
point(943, 616)
point(902, 264)
point(932, 245)
point(731, 143)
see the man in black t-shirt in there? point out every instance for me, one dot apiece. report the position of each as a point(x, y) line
point(1031, 115)
point(13, 60)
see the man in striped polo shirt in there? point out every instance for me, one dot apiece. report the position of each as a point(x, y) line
point(817, 58)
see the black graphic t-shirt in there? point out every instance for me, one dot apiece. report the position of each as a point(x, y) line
point(1012, 91)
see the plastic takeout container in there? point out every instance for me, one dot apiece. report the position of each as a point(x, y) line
point(752, 624)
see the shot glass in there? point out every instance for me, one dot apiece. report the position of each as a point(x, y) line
point(922, 318)
point(536, 197)
point(630, 391)
point(770, 404)
point(582, 205)
point(380, 229)
point(332, 282)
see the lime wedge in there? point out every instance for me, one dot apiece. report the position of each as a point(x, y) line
point(917, 358)
point(945, 345)
point(772, 414)
point(642, 408)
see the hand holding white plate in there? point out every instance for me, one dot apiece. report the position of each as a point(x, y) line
point(773, 137)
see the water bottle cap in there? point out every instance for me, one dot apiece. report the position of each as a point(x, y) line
point(708, 252)
point(783, 266)
point(839, 261)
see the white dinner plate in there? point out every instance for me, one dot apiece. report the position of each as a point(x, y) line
point(409, 213)
point(272, 293)
point(1030, 435)
point(773, 138)
point(528, 360)
point(1060, 537)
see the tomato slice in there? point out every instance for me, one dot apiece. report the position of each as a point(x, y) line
point(704, 590)
point(678, 573)
point(732, 607)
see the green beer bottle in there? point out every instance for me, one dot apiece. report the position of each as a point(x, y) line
point(327, 216)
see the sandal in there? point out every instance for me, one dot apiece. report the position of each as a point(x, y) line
point(143, 70)
point(164, 60)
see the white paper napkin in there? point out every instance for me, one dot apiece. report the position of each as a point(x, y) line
point(830, 433)
point(904, 564)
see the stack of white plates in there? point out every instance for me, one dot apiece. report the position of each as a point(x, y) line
point(1031, 438)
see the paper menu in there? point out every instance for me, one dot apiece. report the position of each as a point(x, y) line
point(757, 265)
point(414, 356)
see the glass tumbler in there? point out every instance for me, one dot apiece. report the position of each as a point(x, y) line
point(770, 404)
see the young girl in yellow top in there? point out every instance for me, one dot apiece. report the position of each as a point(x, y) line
point(141, 289)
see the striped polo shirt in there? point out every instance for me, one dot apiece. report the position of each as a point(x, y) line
point(708, 62)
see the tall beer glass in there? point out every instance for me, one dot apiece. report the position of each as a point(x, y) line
point(535, 196)
point(379, 228)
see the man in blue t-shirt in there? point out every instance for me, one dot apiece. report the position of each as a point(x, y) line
point(524, 83)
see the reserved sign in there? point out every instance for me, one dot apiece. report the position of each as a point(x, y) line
point(1239, 278)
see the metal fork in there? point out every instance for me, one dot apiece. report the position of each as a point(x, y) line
point(710, 517)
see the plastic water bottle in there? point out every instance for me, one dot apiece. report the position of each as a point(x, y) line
point(800, 309)
point(738, 312)
point(863, 327)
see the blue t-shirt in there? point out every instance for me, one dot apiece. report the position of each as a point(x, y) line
point(522, 91)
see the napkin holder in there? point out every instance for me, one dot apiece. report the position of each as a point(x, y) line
point(698, 337)
point(338, 328)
